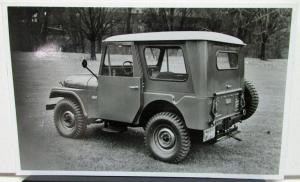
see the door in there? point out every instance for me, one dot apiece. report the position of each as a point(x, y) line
point(119, 85)
point(119, 98)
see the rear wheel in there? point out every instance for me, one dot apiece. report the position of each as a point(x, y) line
point(167, 138)
point(251, 99)
point(69, 119)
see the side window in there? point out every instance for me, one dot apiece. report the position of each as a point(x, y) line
point(165, 63)
point(227, 60)
point(118, 60)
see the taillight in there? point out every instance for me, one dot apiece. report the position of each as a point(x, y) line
point(243, 103)
point(236, 103)
point(214, 107)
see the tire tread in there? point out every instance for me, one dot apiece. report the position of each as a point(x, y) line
point(252, 101)
point(80, 119)
point(179, 124)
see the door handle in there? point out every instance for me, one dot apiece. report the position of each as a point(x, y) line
point(133, 87)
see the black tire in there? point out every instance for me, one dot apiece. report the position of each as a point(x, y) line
point(69, 119)
point(251, 99)
point(167, 138)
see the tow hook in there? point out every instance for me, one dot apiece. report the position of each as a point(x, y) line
point(234, 137)
point(230, 133)
point(233, 132)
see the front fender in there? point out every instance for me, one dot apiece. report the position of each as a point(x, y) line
point(67, 93)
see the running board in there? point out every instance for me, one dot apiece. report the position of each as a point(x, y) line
point(113, 129)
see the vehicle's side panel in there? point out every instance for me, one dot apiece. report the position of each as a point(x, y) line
point(195, 112)
point(225, 83)
point(196, 52)
point(242, 65)
point(189, 96)
point(221, 80)
point(193, 109)
point(92, 98)
point(119, 98)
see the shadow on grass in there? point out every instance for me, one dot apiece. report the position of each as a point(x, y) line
point(133, 139)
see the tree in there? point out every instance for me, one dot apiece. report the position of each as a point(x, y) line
point(268, 22)
point(71, 25)
point(166, 19)
point(28, 27)
point(94, 23)
point(184, 14)
point(128, 20)
point(240, 21)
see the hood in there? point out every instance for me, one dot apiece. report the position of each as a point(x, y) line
point(81, 81)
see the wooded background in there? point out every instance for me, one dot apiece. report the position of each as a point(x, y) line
point(265, 31)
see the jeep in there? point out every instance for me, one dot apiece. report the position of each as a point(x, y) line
point(173, 84)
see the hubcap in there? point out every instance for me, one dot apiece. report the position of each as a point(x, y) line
point(166, 138)
point(68, 119)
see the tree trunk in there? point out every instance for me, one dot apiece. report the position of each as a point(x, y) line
point(242, 34)
point(82, 45)
point(263, 50)
point(182, 19)
point(93, 49)
point(263, 46)
point(172, 12)
point(44, 26)
point(128, 20)
point(100, 44)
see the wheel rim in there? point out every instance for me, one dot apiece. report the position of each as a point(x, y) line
point(165, 138)
point(67, 119)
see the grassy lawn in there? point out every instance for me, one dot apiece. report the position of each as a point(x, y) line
point(42, 148)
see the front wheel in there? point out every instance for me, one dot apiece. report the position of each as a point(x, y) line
point(69, 119)
point(167, 137)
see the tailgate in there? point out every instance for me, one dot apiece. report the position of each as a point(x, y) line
point(227, 104)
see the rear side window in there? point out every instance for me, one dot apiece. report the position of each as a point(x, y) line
point(227, 60)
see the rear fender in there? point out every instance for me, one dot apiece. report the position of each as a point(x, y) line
point(66, 93)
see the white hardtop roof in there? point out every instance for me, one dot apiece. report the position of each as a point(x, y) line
point(175, 35)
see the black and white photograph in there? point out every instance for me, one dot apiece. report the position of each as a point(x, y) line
point(164, 90)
